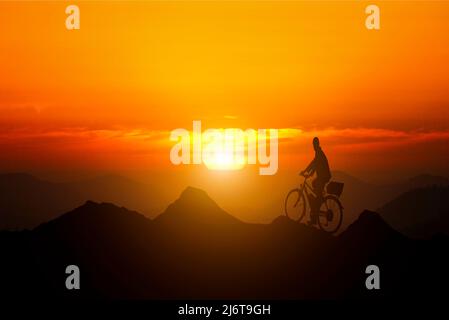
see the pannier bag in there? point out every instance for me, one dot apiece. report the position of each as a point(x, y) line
point(335, 188)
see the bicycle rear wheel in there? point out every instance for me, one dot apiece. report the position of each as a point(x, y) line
point(295, 205)
point(331, 214)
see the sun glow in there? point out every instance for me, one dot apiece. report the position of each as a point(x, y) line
point(226, 149)
point(223, 161)
point(228, 155)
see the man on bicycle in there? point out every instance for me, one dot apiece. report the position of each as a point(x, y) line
point(320, 166)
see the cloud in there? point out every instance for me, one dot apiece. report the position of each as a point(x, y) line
point(335, 137)
point(365, 136)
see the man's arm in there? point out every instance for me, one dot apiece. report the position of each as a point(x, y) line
point(311, 167)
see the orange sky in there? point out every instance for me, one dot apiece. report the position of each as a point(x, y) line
point(107, 96)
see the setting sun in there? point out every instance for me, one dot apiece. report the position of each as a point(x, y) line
point(226, 149)
point(224, 160)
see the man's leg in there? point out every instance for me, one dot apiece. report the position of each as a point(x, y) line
point(318, 188)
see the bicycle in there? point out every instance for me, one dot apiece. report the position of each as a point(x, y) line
point(330, 215)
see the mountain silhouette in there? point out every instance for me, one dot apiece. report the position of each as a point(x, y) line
point(371, 226)
point(144, 197)
point(369, 235)
point(359, 195)
point(96, 217)
point(26, 201)
point(195, 250)
point(194, 206)
point(421, 212)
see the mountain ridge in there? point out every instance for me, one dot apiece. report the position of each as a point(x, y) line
point(123, 255)
point(47, 200)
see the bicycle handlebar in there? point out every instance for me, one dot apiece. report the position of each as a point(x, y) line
point(302, 173)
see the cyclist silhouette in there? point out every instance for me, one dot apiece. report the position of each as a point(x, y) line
point(320, 167)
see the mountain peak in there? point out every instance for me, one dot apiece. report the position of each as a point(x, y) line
point(370, 225)
point(191, 193)
point(195, 206)
point(94, 215)
point(369, 217)
point(90, 203)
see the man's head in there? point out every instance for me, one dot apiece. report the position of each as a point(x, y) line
point(316, 143)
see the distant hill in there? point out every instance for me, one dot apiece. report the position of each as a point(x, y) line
point(421, 212)
point(26, 201)
point(146, 198)
point(195, 250)
point(96, 217)
point(359, 195)
point(427, 180)
point(370, 225)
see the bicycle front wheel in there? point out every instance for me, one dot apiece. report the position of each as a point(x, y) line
point(331, 214)
point(295, 205)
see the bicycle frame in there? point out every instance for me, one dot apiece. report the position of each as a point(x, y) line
point(306, 186)
point(307, 190)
